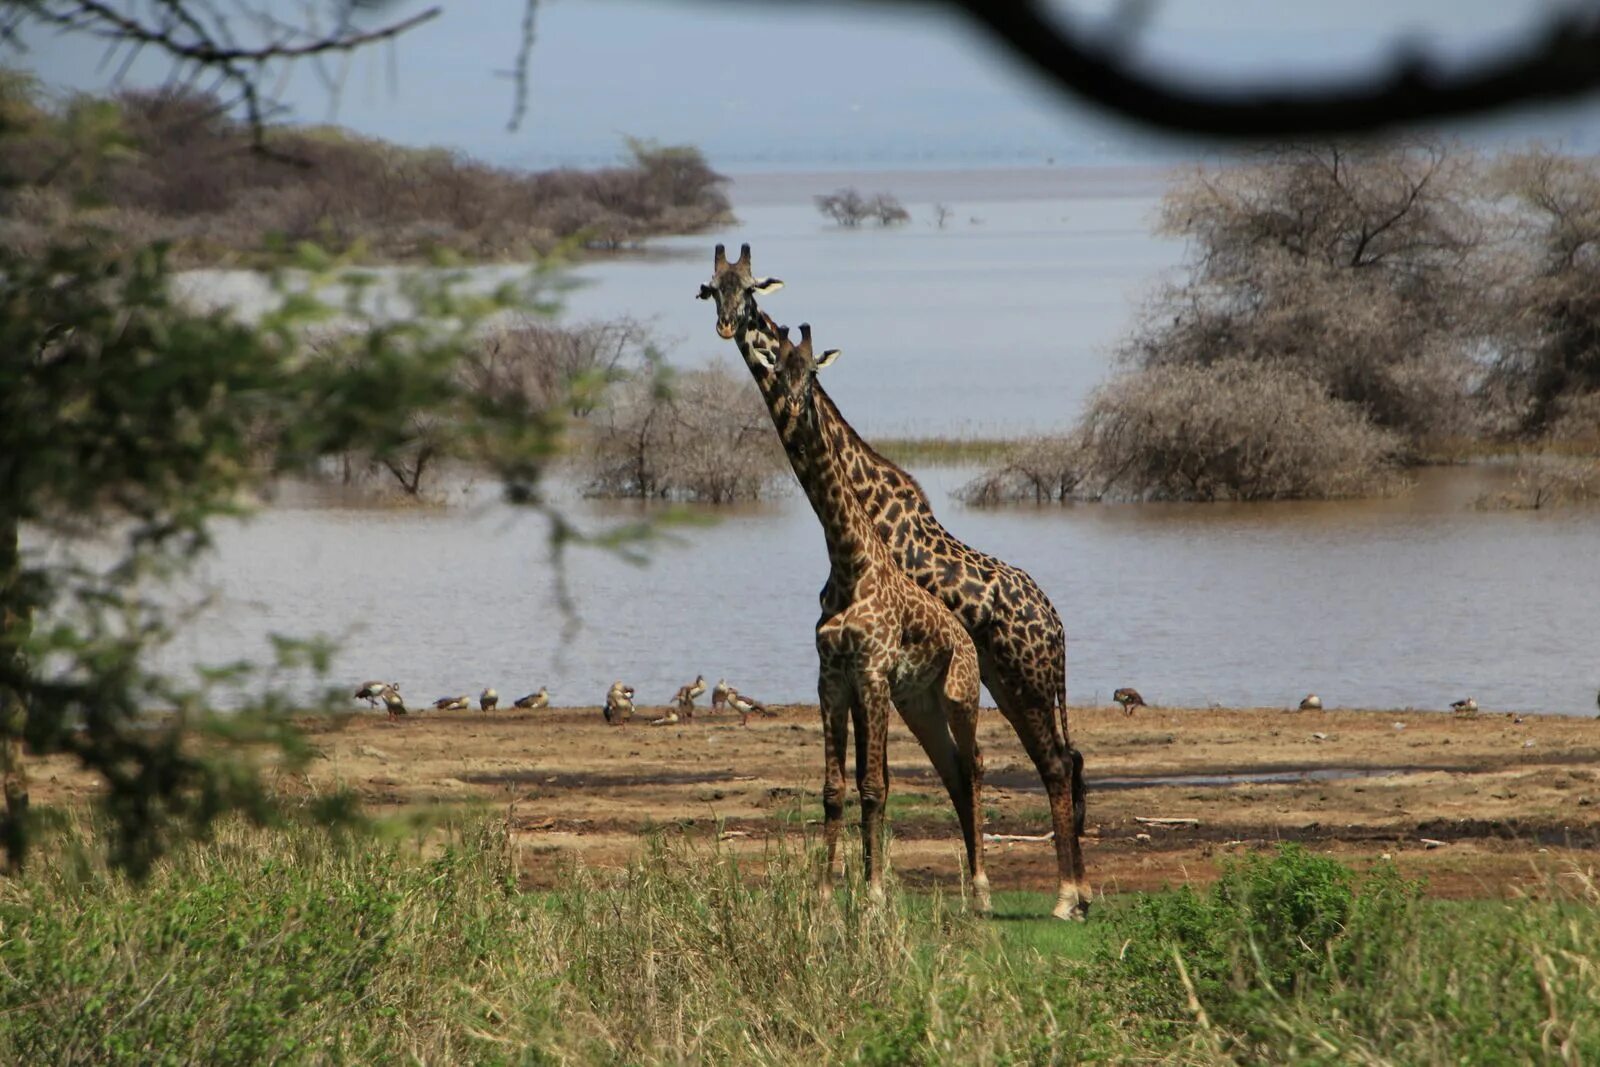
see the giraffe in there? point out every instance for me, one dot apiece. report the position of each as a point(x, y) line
point(1020, 640)
point(882, 642)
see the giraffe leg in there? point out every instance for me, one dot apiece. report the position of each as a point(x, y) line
point(932, 718)
point(1034, 721)
point(872, 710)
point(835, 738)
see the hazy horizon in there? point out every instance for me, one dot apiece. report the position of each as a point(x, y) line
point(830, 87)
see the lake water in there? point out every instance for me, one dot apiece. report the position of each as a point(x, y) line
point(999, 323)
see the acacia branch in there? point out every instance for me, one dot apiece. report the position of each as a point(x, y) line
point(1561, 63)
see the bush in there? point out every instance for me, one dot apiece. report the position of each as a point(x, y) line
point(1360, 269)
point(175, 167)
point(1547, 336)
point(702, 435)
point(850, 209)
point(1270, 927)
point(1230, 431)
point(1547, 482)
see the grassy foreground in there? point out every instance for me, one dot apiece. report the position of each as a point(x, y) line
point(286, 945)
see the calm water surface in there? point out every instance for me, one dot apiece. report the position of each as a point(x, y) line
point(1000, 323)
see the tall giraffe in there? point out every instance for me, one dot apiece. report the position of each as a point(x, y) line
point(1020, 641)
point(882, 642)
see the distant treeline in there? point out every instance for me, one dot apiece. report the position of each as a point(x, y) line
point(1346, 312)
point(175, 167)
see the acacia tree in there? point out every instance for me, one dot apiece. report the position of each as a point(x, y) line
point(1355, 267)
point(1548, 312)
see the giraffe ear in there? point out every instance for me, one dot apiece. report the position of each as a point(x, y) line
point(706, 293)
point(763, 286)
point(827, 358)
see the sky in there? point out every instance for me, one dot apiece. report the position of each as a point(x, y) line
point(792, 86)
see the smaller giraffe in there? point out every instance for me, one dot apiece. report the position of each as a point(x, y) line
point(883, 643)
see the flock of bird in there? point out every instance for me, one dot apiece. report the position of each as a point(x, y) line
point(1130, 699)
point(618, 707)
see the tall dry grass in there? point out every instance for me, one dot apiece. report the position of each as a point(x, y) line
point(288, 945)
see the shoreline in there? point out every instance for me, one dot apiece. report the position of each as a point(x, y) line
point(1469, 804)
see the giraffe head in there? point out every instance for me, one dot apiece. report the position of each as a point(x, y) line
point(734, 289)
point(797, 369)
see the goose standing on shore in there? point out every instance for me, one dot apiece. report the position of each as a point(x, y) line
point(541, 699)
point(372, 692)
point(1312, 702)
point(684, 698)
point(1129, 698)
point(488, 700)
point(747, 706)
point(392, 701)
point(1465, 706)
point(619, 704)
point(719, 694)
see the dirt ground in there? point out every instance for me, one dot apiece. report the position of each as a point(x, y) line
point(1482, 807)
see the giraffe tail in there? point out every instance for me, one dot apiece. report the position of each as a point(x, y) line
point(1080, 811)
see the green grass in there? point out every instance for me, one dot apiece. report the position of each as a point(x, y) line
point(945, 451)
point(287, 945)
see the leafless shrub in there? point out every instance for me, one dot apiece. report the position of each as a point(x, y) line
point(1576, 421)
point(1546, 482)
point(1357, 268)
point(1230, 431)
point(1041, 470)
point(849, 208)
point(941, 215)
point(1548, 312)
point(702, 435)
point(549, 365)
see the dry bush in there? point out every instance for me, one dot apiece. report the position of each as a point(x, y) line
point(849, 208)
point(181, 163)
point(702, 435)
point(1357, 268)
point(1546, 482)
point(1230, 431)
point(549, 365)
point(1548, 312)
point(1041, 470)
point(1576, 421)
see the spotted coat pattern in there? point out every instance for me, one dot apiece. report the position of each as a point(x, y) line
point(882, 642)
point(1020, 641)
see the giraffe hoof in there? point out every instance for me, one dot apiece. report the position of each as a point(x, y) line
point(1070, 907)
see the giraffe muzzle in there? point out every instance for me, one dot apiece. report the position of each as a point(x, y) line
point(725, 332)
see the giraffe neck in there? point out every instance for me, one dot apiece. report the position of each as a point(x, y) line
point(854, 547)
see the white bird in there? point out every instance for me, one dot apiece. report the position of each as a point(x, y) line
point(684, 698)
point(372, 692)
point(541, 699)
point(619, 704)
point(392, 701)
point(747, 706)
point(488, 700)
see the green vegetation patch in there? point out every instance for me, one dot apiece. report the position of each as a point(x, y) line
point(292, 946)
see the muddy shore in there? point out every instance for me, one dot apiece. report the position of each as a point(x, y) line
point(1481, 807)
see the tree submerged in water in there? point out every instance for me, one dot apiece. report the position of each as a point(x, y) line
point(849, 208)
